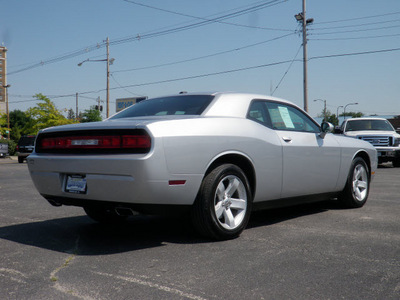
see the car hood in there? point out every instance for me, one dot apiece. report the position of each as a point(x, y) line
point(123, 123)
point(371, 132)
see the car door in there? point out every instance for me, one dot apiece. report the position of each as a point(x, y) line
point(310, 163)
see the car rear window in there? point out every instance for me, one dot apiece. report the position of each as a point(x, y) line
point(174, 105)
point(26, 141)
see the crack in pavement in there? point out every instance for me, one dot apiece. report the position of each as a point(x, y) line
point(13, 275)
point(53, 275)
point(153, 285)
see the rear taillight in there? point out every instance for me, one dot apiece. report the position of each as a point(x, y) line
point(118, 143)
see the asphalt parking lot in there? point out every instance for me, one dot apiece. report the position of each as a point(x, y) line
point(316, 251)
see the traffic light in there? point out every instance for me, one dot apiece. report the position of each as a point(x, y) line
point(100, 109)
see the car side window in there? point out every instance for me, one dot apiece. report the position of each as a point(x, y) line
point(258, 112)
point(287, 117)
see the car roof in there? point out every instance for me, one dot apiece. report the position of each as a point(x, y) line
point(366, 118)
point(230, 93)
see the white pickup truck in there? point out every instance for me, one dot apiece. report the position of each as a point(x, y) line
point(379, 132)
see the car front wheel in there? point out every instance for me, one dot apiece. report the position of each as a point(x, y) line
point(356, 191)
point(223, 205)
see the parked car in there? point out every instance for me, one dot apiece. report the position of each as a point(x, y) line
point(379, 132)
point(215, 156)
point(3, 150)
point(25, 146)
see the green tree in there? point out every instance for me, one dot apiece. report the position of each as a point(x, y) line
point(328, 117)
point(71, 114)
point(90, 115)
point(3, 125)
point(353, 114)
point(18, 119)
point(43, 115)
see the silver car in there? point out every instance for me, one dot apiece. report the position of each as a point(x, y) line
point(215, 156)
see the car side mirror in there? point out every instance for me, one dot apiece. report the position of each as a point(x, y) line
point(326, 127)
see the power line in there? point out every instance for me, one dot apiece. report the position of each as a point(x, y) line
point(60, 58)
point(112, 76)
point(201, 18)
point(198, 24)
point(356, 30)
point(204, 56)
point(355, 25)
point(356, 38)
point(149, 35)
point(355, 53)
point(284, 75)
point(245, 69)
point(195, 76)
point(227, 71)
point(361, 18)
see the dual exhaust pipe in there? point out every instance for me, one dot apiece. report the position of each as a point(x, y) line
point(119, 210)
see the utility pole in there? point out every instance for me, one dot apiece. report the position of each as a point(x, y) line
point(305, 88)
point(109, 62)
point(108, 77)
point(77, 113)
point(301, 17)
point(7, 111)
point(3, 84)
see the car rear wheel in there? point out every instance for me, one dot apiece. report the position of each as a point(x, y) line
point(396, 163)
point(104, 215)
point(20, 159)
point(223, 205)
point(356, 191)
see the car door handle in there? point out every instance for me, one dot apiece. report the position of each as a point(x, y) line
point(287, 139)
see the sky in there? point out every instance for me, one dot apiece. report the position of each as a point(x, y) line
point(164, 47)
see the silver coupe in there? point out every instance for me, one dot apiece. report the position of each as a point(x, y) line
point(215, 156)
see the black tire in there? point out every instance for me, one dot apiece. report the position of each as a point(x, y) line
point(355, 193)
point(20, 159)
point(104, 215)
point(396, 163)
point(223, 205)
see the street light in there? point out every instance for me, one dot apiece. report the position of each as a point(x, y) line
point(7, 111)
point(324, 107)
point(344, 110)
point(337, 113)
point(109, 62)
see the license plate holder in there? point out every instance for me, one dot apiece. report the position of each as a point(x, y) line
point(76, 184)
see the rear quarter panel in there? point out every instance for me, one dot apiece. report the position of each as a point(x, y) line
point(192, 145)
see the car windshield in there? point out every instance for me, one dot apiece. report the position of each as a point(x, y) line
point(26, 141)
point(376, 125)
point(174, 105)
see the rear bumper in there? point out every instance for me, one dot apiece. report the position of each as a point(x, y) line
point(23, 154)
point(127, 178)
